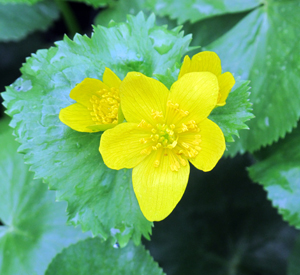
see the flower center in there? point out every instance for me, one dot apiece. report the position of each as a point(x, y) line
point(105, 106)
point(178, 142)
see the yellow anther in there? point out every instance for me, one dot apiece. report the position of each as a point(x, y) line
point(146, 151)
point(156, 114)
point(171, 146)
point(185, 145)
point(156, 163)
point(104, 108)
point(182, 161)
point(184, 128)
point(142, 124)
point(170, 132)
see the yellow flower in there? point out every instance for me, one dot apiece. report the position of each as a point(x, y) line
point(164, 130)
point(209, 62)
point(98, 104)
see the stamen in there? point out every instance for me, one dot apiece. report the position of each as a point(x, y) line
point(156, 114)
point(177, 142)
point(105, 106)
point(175, 111)
point(158, 158)
point(174, 164)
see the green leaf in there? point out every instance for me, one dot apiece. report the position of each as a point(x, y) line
point(26, 2)
point(118, 10)
point(34, 229)
point(18, 20)
point(94, 3)
point(208, 30)
point(195, 10)
point(279, 173)
point(100, 199)
point(99, 258)
point(262, 48)
point(293, 265)
point(235, 112)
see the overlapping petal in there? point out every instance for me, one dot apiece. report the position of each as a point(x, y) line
point(158, 189)
point(226, 82)
point(209, 62)
point(110, 78)
point(196, 93)
point(83, 91)
point(140, 95)
point(201, 62)
point(77, 117)
point(120, 146)
point(212, 146)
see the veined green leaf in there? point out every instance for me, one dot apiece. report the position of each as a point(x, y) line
point(195, 10)
point(100, 199)
point(34, 229)
point(263, 48)
point(279, 173)
point(18, 20)
point(99, 258)
point(235, 112)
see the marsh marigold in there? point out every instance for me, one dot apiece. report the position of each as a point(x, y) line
point(209, 62)
point(97, 106)
point(164, 131)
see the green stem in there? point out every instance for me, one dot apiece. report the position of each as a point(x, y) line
point(69, 17)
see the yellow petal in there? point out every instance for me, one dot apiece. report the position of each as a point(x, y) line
point(101, 127)
point(83, 91)
point(196, 93)
point(158, 189)
point(111, 79)
point(212, 146)
point(226, 82)
point(77, 117)
point(202, 62)
point(140, 95)
point(185, 68)
point(121, 147)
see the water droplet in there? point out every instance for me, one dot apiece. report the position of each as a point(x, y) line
point(116, 245)
point(78, 145)
point(267, 121)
